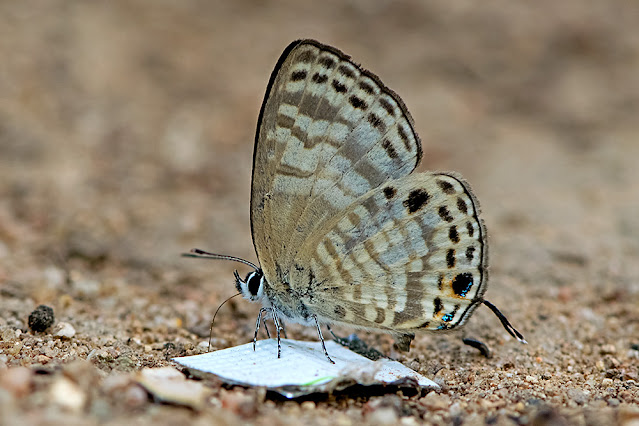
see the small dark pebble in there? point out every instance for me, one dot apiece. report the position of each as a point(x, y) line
point(41, 318)
point(172, 350)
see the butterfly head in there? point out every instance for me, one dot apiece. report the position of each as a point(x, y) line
point(251, 287)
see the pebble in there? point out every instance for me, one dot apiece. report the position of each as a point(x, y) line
point(611, 362)
point(64, 329)
point(125, 363)
point(41, 318)
point(408, 421)
point(42, 359)
point(9, 334)
point(578, 396)
point(433, 401)
point(456, 409)
point(169, 385)
point(67, 394)
point(383, 416)
point(135, 396)
point(15, 349)
point(101, 354)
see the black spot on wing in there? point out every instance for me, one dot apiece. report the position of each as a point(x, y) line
point(346, 71)
point(417, 198)
point(306, 56)
point(357, 102)
point(453, 234)
point(404, 137)
point(390, 150)
point(470, 252)
point(366, 87)
point(298, 75)
point(461, 206)
point(450, 258)
point(339, 87)
point(437, 306)
point(376, 122)
point(445, 214)
point(327, 63)
point(319, 78)
point(389, 192)
point(388, 107)
point(339, 311)
point(462, 284)
point(446, 186)
point(470, 229)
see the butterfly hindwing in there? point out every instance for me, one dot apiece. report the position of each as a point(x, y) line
point(407, 256)
point(328, 133)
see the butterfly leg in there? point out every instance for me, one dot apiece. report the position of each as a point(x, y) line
point(333, 334)
point(319, 332)
point(268, 333)
point(479, 345)
point(260, 318)
point(278, 327)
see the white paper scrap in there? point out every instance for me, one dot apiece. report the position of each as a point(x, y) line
point(303, 364)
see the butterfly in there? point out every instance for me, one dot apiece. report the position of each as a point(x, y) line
point(344, 231)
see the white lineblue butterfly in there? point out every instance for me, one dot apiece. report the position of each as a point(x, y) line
point(344, 231)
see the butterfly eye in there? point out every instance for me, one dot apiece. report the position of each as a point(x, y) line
point(254, 281)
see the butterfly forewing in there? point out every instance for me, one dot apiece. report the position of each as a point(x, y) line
point(407, 256)
point(328, 133)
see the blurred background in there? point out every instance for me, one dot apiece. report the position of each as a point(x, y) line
point(127, 129)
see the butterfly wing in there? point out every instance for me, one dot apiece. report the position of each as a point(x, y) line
point(328, 133)
point(410, 255)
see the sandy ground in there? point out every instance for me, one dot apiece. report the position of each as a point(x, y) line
point(126, 137)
